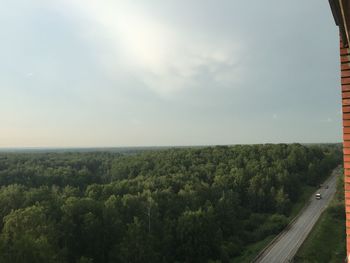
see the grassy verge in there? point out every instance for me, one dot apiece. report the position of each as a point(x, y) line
point(307, 192)
point(326, 242)
point(253, 250)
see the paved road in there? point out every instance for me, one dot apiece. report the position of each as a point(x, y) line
point(287, 244)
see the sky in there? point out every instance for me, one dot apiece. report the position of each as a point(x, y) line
point(87, 73)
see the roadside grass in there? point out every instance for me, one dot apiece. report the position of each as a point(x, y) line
point(251, 251)
point(307, 192)
point(326, 242)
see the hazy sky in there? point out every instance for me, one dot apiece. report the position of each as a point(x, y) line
point(80, 73)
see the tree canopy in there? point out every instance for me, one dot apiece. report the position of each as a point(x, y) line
point(174, 205)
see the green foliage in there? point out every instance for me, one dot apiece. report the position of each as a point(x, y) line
point(28, 236)
point(177, 205)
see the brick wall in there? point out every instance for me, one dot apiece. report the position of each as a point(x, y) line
point(345, 87)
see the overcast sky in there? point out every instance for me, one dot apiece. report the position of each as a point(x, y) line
point(80, 73)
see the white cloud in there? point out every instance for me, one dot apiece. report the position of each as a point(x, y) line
point(327, 120)
point(165, 59)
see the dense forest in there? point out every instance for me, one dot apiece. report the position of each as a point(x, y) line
point(175, 205)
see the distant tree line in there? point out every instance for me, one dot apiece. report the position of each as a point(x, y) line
point(176, 205)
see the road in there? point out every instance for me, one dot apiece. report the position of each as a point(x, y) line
point(285, 246)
